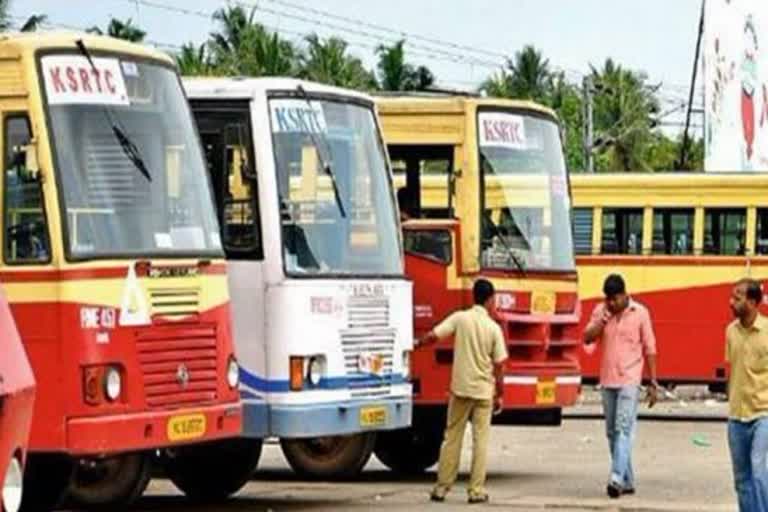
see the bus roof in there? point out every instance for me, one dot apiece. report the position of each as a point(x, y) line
point(669, 179)
point(419, 103)
point(669, 188)
point(246, 87)
point(30, 42)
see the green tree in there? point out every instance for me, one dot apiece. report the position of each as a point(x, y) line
point(244, 47)
point(195, 60)
point(529, 75)
point(327, 61)
point(6, 22)
point(623, 111)
point(120, 29)
point(395, 74)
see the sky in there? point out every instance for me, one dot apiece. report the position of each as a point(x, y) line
point(462, 41)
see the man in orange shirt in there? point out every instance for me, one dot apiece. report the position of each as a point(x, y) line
point(624, 327)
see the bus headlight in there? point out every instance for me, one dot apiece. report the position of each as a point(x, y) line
point(315, 371)
point(407, 364)
point(233, 373)
point(12, 486)
point(113, 384)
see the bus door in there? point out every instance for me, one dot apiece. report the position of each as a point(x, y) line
point(227, 140)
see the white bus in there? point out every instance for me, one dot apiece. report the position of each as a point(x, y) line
point(322, 311)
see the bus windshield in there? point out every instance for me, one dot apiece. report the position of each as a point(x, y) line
point(526, 203)
point(336, 201)
point(129, 163)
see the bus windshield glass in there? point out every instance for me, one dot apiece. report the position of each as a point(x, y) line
point(129, 163)
point(525, 195)
point(336, 202)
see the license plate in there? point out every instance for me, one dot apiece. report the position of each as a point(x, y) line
point(543, 303)
point(373, 416)
point(186, 427)
point(546, 392)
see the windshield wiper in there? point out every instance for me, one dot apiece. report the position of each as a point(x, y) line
point(515, 258)
point(130, 149)
point(324, 162)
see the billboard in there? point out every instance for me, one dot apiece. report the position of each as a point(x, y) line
point(736, 85)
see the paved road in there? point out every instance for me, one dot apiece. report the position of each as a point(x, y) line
point(680, 467)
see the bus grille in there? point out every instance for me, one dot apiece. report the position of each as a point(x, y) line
point(174, 303)
point(368, 313)
point(178, 364)
point(357, 342)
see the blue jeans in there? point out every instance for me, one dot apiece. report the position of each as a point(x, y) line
point(749, 446)
point(620, 409)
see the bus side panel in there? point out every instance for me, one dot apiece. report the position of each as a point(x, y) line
point(246, 285)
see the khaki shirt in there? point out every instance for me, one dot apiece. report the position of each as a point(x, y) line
point(747, 351)
point(478, 344)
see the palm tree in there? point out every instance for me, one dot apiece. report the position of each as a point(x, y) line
point(395, 74)
point(6, 23)
point(497, 85)
point(195, 60)
point(623, 109)
point(121, 30)
point(244, 47)
point(328, 62)
point(530, 76)
point(34, 22)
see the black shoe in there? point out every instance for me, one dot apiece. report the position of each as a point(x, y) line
point(613, 490)
point(628, 490)
point(477, 499)
point(436, 497)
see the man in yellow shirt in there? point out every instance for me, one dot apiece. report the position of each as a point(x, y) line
point(747, 352)
point(477, 386)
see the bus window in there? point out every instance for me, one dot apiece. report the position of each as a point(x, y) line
point(622, 231)
point(426, 169)
point(724, 231)
point(761, 240)
point(673, 231)
point(434, 244)
point(582, 230)
point(26, 232)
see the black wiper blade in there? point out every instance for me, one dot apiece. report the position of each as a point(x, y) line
point(127, 145)
point(515, 258)
point(131, 151)
point(324, 163)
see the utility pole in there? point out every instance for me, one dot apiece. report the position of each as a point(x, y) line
point(683, 161)
point(589, 135)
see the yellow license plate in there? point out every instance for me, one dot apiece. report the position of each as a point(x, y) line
point(186, 427)
point(546, 392)
point(373, 416)
point(543, 303)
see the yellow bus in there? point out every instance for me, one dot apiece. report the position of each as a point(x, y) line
point(113, 266)
point(680, 241)
point(484, 185)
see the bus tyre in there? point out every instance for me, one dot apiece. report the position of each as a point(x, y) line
point(213, 471)
point(46, 478)
point(330, 457)
point(409, 451)
point(109, 483)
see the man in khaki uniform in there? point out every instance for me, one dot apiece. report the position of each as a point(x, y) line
point(747, 352)
point(477, 387)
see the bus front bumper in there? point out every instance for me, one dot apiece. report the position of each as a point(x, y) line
point(103, 435)
point(327, 419)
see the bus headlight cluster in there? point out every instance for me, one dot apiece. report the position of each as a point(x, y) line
point(12, 486)
point(315, 371)
point(233, 373)
point(113, 384)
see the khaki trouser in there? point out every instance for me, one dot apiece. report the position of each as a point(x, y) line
point(461, 410)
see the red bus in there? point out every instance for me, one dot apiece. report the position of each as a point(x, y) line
point(485, 183)
point(114, 271)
